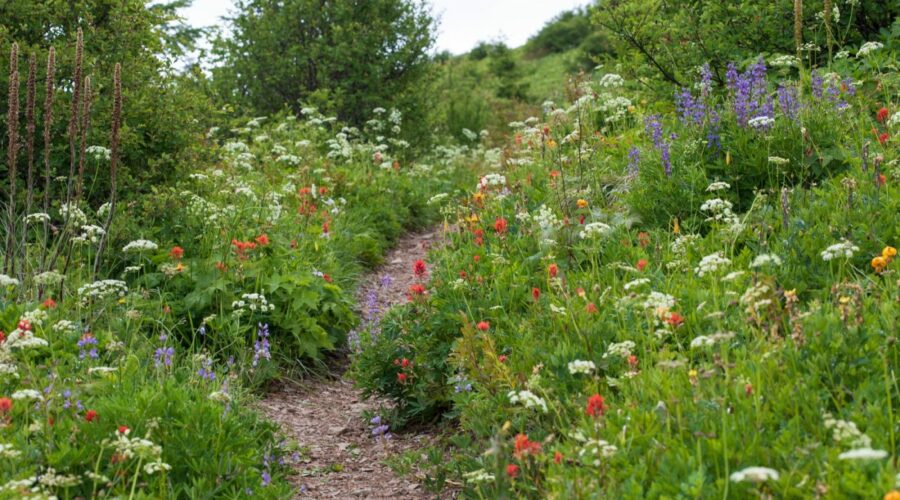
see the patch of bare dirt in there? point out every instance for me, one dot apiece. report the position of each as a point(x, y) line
point(327, 418)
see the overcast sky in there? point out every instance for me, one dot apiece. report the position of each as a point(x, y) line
point(463, 23)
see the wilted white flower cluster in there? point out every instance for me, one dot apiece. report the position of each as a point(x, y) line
point(718, 186)
point(846, 432)
point(683, 242)
point(580, 366)
point(140, 246)
point(844, 249)
point(528, 399)
point(622, 349)
point(756, 297)
point(594, 230)
point(777, 160)
point(711, 264)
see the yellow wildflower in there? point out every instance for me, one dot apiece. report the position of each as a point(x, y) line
point(582, 203)
point(889, 253)
point(879, 263)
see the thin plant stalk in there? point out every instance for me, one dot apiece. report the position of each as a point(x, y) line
point(113, 162)
point(48, 123)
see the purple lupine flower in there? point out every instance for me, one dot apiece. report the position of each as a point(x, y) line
point(691, 111)
point(261, 346)
point(788, 101)
point(83, 343)
point(731, 77)
point(666, 160)
point(634, 160)
point(712, 135)
point(266, 478)
point(750, 97)
point(67, 402)
point(163, 356)
point(817, 82)
point(386, 281)
point(206, 372)
point(202, 330)
point(653, 128)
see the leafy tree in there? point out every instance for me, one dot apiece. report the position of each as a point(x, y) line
point(564, 32)
point(347, 57)
point(673, 37)
point(163, 110)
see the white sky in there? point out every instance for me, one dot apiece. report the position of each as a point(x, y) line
point(463, 23)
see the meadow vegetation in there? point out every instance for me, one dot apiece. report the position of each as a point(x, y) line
point(669, 265)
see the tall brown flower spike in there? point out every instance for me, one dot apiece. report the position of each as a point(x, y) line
point(113, 161)
point(29, 130)
point(48, 123)
point(85, 125)
point(75, 110)
point(12, 151)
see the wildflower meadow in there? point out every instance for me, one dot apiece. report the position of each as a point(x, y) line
point(669, 277)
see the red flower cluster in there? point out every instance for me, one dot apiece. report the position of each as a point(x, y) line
point(416, 291)
point(419, 268)
point(90, 415)
point(405, 366)
point(591, 308)
point(882, 115)
point(49, 303)
point(483, 326)
point(641, 264)
point(525, 446)
point(500, 225)
point(536, 294)
point(242, 247)
point(6, 405)
point(675, 319)
point(553, 270)
point(512, 470)
point(176, 253)
point(595, 406)
point(479, 236)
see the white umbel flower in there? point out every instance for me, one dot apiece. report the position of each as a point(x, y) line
point(755, 475)
point(844, 249)
point(863, 454)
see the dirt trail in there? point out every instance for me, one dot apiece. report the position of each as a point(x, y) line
point(344, 459)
